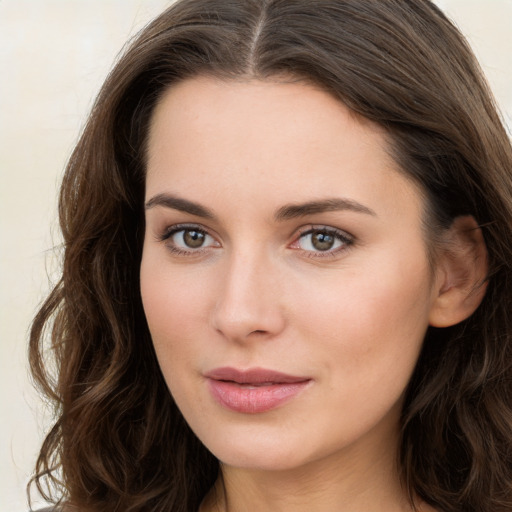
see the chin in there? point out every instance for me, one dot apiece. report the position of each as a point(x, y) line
point(259, 461)
point(265, 450)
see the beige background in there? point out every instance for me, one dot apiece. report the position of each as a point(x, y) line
point(54, 55)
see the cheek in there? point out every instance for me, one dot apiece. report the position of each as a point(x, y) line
point(175, 307)
point(371, 322)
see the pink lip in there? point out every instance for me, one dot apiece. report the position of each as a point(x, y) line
point(255, 390)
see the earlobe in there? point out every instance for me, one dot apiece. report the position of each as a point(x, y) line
point(462, 268)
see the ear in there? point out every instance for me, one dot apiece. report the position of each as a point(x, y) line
point(461, 270)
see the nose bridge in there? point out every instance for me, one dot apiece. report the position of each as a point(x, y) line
point(247, 303)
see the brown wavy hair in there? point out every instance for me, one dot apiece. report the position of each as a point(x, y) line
point(119, 442)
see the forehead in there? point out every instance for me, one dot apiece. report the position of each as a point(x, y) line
point(265, 139)
point(259, 109)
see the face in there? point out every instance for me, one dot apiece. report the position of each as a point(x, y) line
point(284, 276)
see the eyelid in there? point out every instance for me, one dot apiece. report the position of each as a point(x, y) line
point(166, 235)
point(346, 238)
point(343, 236)
point(170, 230)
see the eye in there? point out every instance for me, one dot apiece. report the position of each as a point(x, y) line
point(188, 239)
point(323, 240)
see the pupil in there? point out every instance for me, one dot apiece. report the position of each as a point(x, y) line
point(322, 241)
point(193, 239)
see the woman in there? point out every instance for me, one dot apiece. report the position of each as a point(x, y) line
point(286, 280)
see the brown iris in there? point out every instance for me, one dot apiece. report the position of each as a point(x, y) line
point(322, 241)
point(193, 238)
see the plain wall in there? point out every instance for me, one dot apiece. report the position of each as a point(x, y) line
point(54, 55)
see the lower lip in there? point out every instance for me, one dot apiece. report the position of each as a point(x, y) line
point(254, 399)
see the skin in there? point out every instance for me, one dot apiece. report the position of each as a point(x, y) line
point(258, 292)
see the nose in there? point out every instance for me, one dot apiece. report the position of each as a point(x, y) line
point(248, 305)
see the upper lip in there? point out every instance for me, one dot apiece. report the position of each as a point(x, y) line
point(253, 376)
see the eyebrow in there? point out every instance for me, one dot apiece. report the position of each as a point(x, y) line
point(293, 211)
point(287, 212)
point(182, 205)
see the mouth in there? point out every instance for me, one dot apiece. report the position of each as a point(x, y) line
point(253, 391)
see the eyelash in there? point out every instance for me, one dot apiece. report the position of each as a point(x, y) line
point(342, 237)
point(177, 228)
point(345, 240)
